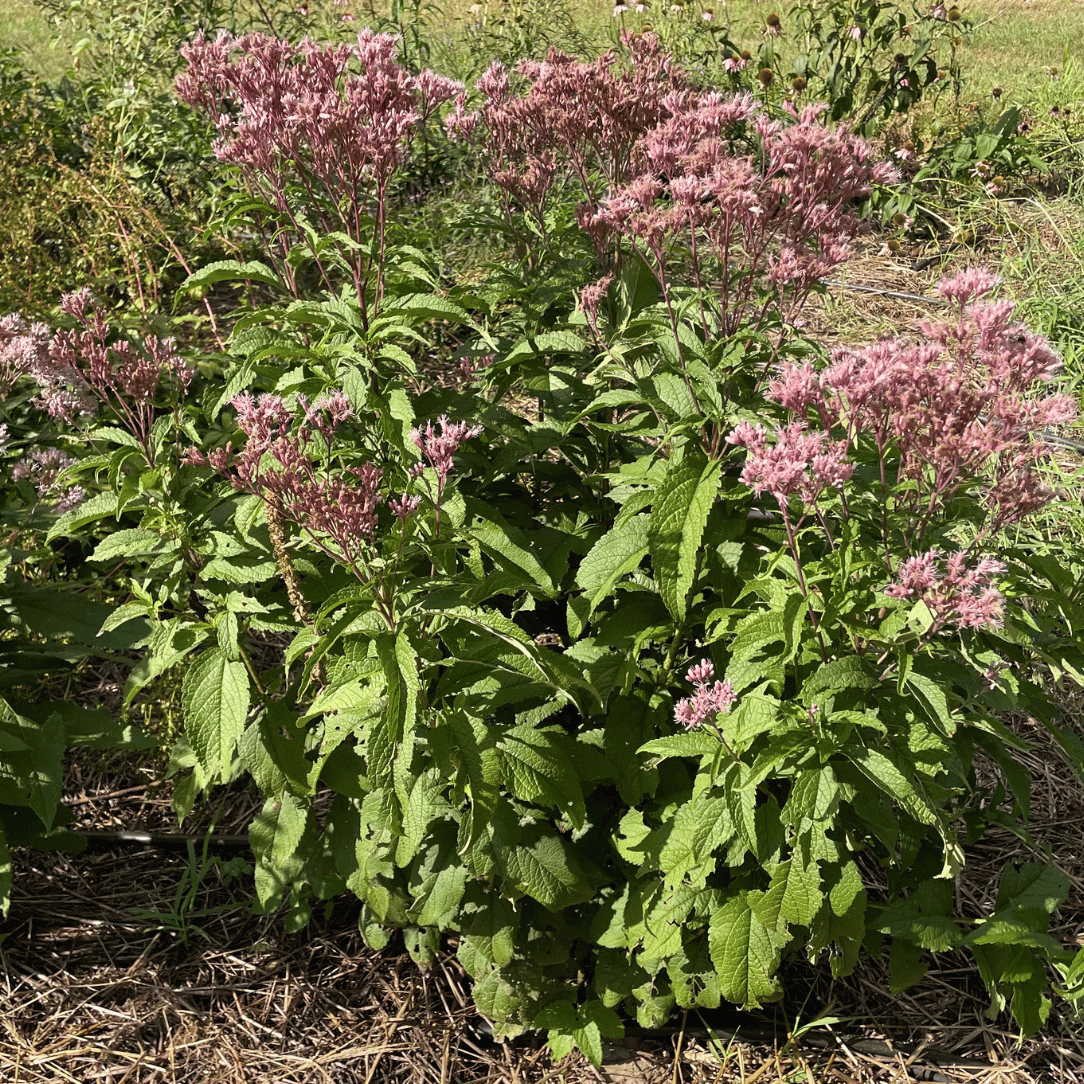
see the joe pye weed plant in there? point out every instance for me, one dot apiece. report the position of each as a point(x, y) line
point(637, 697)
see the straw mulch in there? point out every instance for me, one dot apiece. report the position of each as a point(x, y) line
point(93, 991)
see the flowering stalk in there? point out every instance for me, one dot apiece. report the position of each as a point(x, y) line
point(294, 115)
point(78, 369)
point(707, 703)
point(961, 411)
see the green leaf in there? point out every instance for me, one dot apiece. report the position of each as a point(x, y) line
point(97, 507)
point(700, 825)
point(665, 918)
point(132, 542)
point(214, 699)
point(508, 546)
point(931, 695)
point(745, 953)
point(546, 343)
point(842, 920)
point(426, 307)
point(277, 831)
point(693, 977)
point(694, 743)
point(399, 660)
point(277, 762)
point(596, 1022)
point(676, 526)
point(795, 891)
point(492, 930)
point(547, 869)
point(538, 769)
point(850, 672)
point(616, 553)
point(497, 1000)
point(925, 917)
point(232, 271)
point(439, 899)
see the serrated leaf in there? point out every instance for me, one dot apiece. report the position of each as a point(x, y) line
point(496, 999)
point(694, 743)
point(745, 953)
point(795, 891)
point(97, 507)
point(699, 826)
point(538, 769)
point(277, 763)
point(276, 832)
point(548, 342)
point(117, 436)
point(427, 307)
point(548, 870)
point(693, 978)
point(214, 699)
point(492, 930)
point(614, 555)
point(676, 526)
point(231, 271)
point(932, 696)
point(925, 917)
point(132, 542)
point(814, 795)
point(665, 918)
point(508, 547)
point(842, 920)
point(850, 672)
point(442, 901)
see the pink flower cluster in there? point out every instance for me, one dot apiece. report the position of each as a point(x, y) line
point(957, 597)
point(962, 407)
point(720, 179)
point(78, 368)
point(438, 448)
point(42, 468)
point(284, 463)
point(298, 115)
point(576, 118)
point(800, 463)
point(708, 700)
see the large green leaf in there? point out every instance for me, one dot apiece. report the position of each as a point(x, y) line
point(232, 271)
point(795, 891)
point(538, 769)
point(545, 866)
point(745, 953)
point(214, 699)
point(676, 526)
point(616, 553)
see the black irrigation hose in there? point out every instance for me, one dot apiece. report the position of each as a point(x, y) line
point(170, 840)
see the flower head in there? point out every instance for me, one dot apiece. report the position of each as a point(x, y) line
point(708, 700)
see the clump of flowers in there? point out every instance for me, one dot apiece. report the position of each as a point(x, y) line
point(286, 462)
point(304, 129)
point(437, 450)
point(42, 468)
point(957, 596)
point(964, 409)
point(77, 369)
point(576, 118)
point(782, 213)
point(709, 700)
